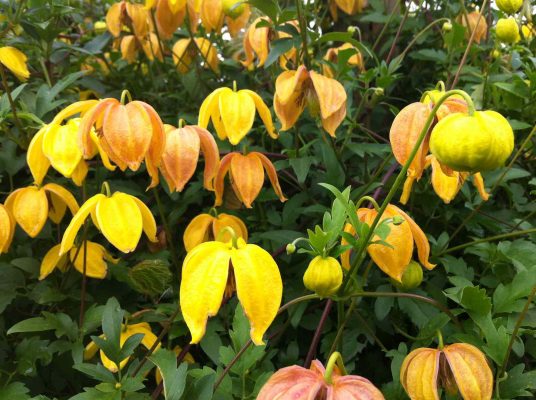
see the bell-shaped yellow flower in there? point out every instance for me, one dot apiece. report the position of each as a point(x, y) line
point(120, 217)
point(169, 15)
point(393, 260)
point(7, 229)
point(213, 17)
point(447, 185)
point(14, 60)
point(96, 266)
point(247, 176)
point(206, 227)
point(296, 89)
point(185, 50)
point(232, 112)
point(323, 276)
point(350, 7)
point(457, 367)
point(470, 23)
point(32, 205)
point(204, 278)
point(122, 13)
point(148, 340)
point(127, 133)
point(332, 55)
point(181, 155)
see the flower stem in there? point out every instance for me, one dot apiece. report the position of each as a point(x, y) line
point(334, 359)
point(167, 231)
point(11, 104)
point(316, 338)
point(303, 32)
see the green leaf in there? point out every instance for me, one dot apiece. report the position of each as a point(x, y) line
point(268, 7)
point(476, 300)
point(518, 383)
point(14, 391)
point(36, 324)
point(174, 378)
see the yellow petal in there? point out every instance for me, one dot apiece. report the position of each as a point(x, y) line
point(51, 261)
point(219, 180)
point(418, 374)
point(153, 157)
point(60, 145)
point(272, 175)
point(14, 60)
point(264, 113)
point(36, 159)
point(212, 156)
point(78, 219)
point(94, 114)
point(471, 371)
point(149, 224)
point(478, 181)
point(30, 210)
point(330, 92)
point(445, 186)
point(225, 220)
point(210, 110)
point(56, 208)
point(248, 177)
point(237, 110)
point(149, 338)
point(331, 123)
point(120, 221)
point(423, 246)
point(113, 19)
point(181, 56)
point(96, 266)
point(204, 276)
point(212, 15)
point(79, 107)
point(80, 173)
point(197, 231)
point(91, 349)
point(97, 146)
point(129, 48)
point(6, 229)
point(289, 99)
point(258, 286)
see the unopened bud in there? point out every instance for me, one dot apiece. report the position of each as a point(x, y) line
point(291, 248)
point(398, 220)
point(351, 29)
point(379, 91)
point(447, 27)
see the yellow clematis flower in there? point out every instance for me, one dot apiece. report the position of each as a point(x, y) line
point(149, 339)
point(296, 89)
point(181, 155)
point(332, 55)
point(256, 43)
point(470, 23)
point(169, 15)
point(395, 259)
point(204, 278)
point(448, 185)
point(96, 266)
point(120, 217)
point(206, 227)
point(185, 50)
point(14, 60)
point(32, 205)
point(232, 113)
point(457, 367)
point(247, 176)
point(127, 133)
point(213, 17)
point(124, 14)
point(7, 229)
point(350, 7)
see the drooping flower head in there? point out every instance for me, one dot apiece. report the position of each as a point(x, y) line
point(393, 259)
point(232, 113)
point(181, 155)
point(7, 229)
point(33, 205)
point(169, 15)
point(296, 89)
point(15, 61)
point(128, 16)
point(213, 16)
point(185, 52)
point(128, 134)
point(247, 177)
point(207, 227)
point(120, 217)
point(332, 56)
point(457, 367)
point(474, 20)
point(205, 272)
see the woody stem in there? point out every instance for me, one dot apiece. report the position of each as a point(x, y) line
point(401, 177)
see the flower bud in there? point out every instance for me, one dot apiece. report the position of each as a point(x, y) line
point(323, 276)
point(411, 278)
point(291, 248)
point(233, 8)
point(507, 30)
point(150, 277)
point(447, 27)
point(99, 27)
point(351, 29)
point(509, 6)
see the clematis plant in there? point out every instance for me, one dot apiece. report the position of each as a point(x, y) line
point(15, 61)
point(7, 229)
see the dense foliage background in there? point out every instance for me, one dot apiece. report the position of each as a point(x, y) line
point(485, 251)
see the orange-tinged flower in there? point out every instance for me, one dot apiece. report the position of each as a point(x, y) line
point(7, 229)
point(405, 131)
point(96, 266)
point(447, 185)
point(299, 383)
point(181, 155)
point(471, 21)
point(15, 60)
point(131, 45)
point(332, 55)
point(120, 217)
point(205, 273)
point(213, 17)
point(454, 103)
point(128, 134)
point(458, 366)
point(125, 15)
point(148, 340)
point(169, 15)
point(206, 227)
point(32, 205)
point(296, 89)
point(257, 40)
point(185, 50)
point(395, 259)
point(232, 113)
point(351, 7)
point(247, 176)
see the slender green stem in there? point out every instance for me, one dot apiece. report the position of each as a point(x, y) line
point(124, 95)
point(488, 239)
point(334, 359)
point(169, 237)
point(249, 342)
point(391, 16)
point(45, 71)
point(401, 177)
point(417, 37)
point(303, 32)
point(370, 199)
point(11, 102)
